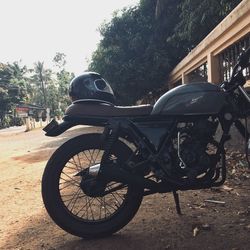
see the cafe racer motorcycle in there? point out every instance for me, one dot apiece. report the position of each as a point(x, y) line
point(94, 183)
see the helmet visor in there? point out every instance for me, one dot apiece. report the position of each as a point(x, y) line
point(103, 86)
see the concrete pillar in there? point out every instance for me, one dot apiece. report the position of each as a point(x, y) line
point(48, 115)
point(213, 69)
point(184, 78)
point(40, 122)
point(28, 125)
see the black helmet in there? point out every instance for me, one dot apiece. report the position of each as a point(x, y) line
point(91, 85)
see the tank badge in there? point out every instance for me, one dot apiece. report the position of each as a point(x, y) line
point(195, 100)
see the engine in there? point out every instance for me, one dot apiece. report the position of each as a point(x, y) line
point(193, 150)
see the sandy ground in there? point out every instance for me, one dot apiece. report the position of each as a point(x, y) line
point(24, 223)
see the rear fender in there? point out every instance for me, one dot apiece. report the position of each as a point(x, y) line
point(55, 129)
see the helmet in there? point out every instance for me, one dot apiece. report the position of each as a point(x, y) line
point(91, 85)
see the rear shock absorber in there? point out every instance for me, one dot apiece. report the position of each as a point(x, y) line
point(109, 137)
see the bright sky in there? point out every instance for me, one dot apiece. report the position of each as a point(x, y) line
point(33, 30)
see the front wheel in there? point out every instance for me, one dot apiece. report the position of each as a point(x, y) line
point(70, 206)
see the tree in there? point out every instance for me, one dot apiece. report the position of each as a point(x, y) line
point(5, 105)
point(50, 88)
point(124, 56)
point(63, 78)
point(59, 60)
point(133, 53)
point(40, 86)
point(18, 77)
point(12, 89)
point(40, 79)
point(141, 44)
point(196, 19)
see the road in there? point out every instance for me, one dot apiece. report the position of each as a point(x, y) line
point(12, 130)
point(24, 223)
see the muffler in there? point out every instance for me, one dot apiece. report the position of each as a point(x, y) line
point(117, 174)
point(94, 170)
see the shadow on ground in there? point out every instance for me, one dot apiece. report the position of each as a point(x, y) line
point(154, 232)
point(44, 152)
point(156, 226)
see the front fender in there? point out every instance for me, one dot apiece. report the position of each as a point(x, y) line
point(54, 128)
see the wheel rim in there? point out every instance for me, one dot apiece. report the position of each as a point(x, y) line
point(76, 202)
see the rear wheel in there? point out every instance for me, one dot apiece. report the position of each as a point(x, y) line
point(67, 202)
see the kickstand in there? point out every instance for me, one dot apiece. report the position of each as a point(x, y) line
point(177, 202)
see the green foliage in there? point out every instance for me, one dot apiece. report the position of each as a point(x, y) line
point(5, 102)
point(12, 89)
point(51, 87)
point(63, 79)
point(197, 19)
point(59, 60)
point(138, 50)
point(122, 55)
point(41, 79)
point(39, 86)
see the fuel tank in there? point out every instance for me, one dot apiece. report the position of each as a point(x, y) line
point(191, 99)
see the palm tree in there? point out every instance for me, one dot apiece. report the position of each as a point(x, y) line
point(41, 77)
point(17, 71)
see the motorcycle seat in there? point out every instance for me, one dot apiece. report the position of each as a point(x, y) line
point(83, 108)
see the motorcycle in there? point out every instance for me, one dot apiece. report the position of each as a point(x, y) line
point(94, 183)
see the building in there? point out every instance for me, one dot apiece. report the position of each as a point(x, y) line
point(32, 115)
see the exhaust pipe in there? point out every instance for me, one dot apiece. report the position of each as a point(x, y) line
point(94, 170)
point(117, 174)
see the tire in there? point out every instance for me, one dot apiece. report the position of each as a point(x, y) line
point(59, 185)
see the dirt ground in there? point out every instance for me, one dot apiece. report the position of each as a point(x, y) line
point(24, 223)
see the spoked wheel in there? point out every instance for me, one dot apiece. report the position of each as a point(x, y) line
point(82, 204)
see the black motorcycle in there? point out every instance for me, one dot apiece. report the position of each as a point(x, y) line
point(94, 183)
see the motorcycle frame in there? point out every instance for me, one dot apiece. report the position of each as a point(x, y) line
point(128, 128)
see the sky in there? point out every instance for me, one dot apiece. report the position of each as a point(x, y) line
point(34, 30)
